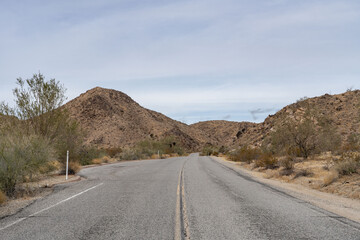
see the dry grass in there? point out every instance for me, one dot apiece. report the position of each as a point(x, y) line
point(267, 161)
point(96, 161)
point(3, 198)
point(245, 154)
point(155, 156)
point(319, 173)
point(330, 178)
point(303, 173)
point(74, 167)
point(50, 167)
point(347, 167)
point(104, 159)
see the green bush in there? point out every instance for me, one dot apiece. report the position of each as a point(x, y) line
point(86, 154)
point(21, 156)
point(46, 131)
point(245, 154)
point(38, 110)
point(209, 150)
point(148, 148)
point(304, 134)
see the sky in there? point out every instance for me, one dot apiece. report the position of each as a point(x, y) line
point(192, 60)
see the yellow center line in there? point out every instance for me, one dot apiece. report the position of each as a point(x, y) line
point(181, 219)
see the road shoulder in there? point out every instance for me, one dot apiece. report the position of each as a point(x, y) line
point(41, 188)
point(345, 207)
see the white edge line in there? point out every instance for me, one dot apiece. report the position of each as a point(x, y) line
point(67, 199)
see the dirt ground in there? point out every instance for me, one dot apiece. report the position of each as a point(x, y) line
point(317, 174)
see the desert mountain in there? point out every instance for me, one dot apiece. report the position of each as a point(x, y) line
point(224, 133)
point(341, 109)
point(112, 119)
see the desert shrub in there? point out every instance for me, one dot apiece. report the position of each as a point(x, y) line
point(303, 173)
point(70, 139)
point(74, 167)
point(38, 110)
point(147, 148)
point(170, 145)
point(287, 164)
point(129, 154)
point(155, 156)
point(352, 143)
point(293, 151)
point(112, 152)
point(104, 159)
point(3, 198)
point(330, 178)
point(348, 163)
point(21, 157)
point(97, 161)
point(304, 135)
point(209, 150)
point(328, 139)
point(245, 154)
point(223, 150)
point(49, 166)
point(215, 153)
point(266, 160)
point(86, 155)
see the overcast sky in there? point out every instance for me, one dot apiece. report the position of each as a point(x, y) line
point(192, 60)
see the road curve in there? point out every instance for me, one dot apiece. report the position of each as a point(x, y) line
point(180, 198)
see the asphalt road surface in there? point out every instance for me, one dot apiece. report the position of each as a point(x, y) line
point(181, 198)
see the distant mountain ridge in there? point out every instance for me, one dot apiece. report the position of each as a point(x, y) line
point(113, 119)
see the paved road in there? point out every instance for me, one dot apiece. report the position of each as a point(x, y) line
point(181, 198)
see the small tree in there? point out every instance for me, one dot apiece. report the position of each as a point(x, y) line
point(304, 134)
point(38, 111)
point(38, 103)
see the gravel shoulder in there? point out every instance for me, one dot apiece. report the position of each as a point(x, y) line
point(345, 207)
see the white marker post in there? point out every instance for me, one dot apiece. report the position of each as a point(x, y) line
point(67, 164)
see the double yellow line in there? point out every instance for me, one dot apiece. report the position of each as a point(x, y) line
point(181, 219)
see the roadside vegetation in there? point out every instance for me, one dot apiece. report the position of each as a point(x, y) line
point(147, 149)
point(37, 131)
point(305, 146)
point(35, 134)
point(210, 150)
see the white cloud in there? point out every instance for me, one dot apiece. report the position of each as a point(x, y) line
point(257, 51)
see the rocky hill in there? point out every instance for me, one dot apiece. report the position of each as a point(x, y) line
point(112, 119)
point(341, 109)
point(224, 133)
